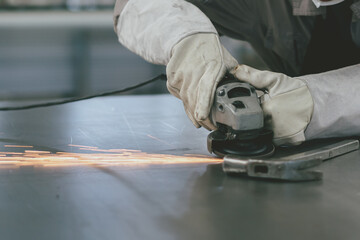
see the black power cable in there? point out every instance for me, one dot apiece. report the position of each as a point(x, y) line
point(48, 104)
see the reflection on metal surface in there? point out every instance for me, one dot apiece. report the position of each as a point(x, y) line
point(93, 156)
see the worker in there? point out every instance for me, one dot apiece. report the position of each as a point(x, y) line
point(311, 46)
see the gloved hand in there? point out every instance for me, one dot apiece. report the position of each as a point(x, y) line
point(197, 64)
point(287, 104)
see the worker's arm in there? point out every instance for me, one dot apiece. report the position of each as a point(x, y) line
point(152, 28)
point(336, 103)
point(308, 107)
point(313, 106)
point(177, 34)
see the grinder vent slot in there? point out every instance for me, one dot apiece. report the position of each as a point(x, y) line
point(238, 92)
point(238, 105)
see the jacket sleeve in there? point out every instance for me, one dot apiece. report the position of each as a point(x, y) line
point(152, 28)
point(336, 103)
point(119, 6)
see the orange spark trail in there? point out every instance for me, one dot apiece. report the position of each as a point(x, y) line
point(17, 146)
point(157, 139)
point(103, 157)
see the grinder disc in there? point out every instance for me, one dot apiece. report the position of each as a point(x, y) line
point(260, 146)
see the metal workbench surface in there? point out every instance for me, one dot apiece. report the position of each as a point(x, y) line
point(134, 167)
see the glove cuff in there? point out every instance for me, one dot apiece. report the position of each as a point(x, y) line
point(293, 140)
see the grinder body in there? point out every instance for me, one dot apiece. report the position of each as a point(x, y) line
point(238, 115)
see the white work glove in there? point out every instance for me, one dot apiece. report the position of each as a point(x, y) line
point(197, 64)
point(287, 103)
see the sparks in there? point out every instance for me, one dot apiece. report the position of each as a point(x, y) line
point(17, 146)
point(102, 157)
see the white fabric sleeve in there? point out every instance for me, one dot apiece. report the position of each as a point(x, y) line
point(151, 28)
point(336, 96)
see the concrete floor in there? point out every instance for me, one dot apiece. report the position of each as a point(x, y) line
point(125, 168)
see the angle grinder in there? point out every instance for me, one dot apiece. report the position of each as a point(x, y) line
point(240, 122)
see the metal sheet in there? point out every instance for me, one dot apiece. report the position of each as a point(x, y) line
point(295, 166)
point(127, 178)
